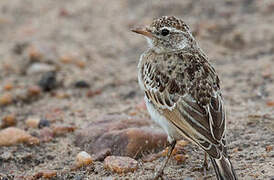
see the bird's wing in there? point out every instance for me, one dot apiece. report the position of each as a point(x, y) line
point(204, 123)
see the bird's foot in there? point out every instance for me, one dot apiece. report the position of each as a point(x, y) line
point(160, 172)
point(158, 175)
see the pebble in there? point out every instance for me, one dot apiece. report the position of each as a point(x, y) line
point(47, 134)
point(120, 164)
point(123, 135)
point(43, 123)
point(8, 87)
point(48, 81)
point(83, 159)
point(268, 148)
point(48, 174)
point(12, 136)
point(270, 103)
point(92, 93)
point(38, 68)
point(62, 95)
point(59, 130)
point(41, 53)
point(71, 59)
point(81, 84)
point(34, 90)
point(33, 122)
point(5, 99)
point(81, 64)
point(35, 53)
point(180, 158)
point(142, 140)
point(66, 59)
point(8, 120)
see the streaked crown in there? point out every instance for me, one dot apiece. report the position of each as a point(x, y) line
point(169, 21)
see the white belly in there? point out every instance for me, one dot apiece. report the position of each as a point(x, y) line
point(163, 122)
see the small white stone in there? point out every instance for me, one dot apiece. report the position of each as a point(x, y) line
point(37, 68)
point(83, 159)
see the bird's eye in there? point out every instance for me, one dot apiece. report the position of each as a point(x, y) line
point(164, 32)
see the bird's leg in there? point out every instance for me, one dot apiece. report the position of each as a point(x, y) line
point(205, 164)
point(161, 170)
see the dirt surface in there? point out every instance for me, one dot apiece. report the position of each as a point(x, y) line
point(91, 41)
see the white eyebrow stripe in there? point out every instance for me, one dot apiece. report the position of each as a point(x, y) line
point(173, 30)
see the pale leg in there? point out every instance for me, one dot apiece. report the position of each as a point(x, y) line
point(161, 170)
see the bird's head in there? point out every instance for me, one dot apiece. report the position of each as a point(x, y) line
point(167, 34)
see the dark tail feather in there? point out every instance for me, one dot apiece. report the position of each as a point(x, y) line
point(224, 169)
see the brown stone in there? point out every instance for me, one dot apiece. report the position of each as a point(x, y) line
point(62, 95)
point(80, 63)
point(48, 174)
point(11, 136)
point(180, 158)
point(73, 59)
point(33, 122)
point(6, 99)
point(35, 53)
point(8, 120)
point(120, 164)
point(123, 135)
point(268, 148)
point(34, 91)
point(66, 59)
point(8, 87)
point(270, 103)
point(45, 174)
point(61, 130)
point(92, 93)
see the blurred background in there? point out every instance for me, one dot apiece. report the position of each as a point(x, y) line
point(69, 62)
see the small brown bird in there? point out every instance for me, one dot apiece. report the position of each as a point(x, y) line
point(182, 91)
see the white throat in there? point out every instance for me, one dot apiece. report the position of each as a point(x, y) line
point(149, 42)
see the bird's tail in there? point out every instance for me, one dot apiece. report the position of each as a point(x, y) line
point(224, 169)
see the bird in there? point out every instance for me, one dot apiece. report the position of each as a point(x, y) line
point(182, 92)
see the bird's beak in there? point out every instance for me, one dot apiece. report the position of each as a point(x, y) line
point(143, 30)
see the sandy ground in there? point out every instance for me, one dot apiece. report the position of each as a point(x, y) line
point(238, 37)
